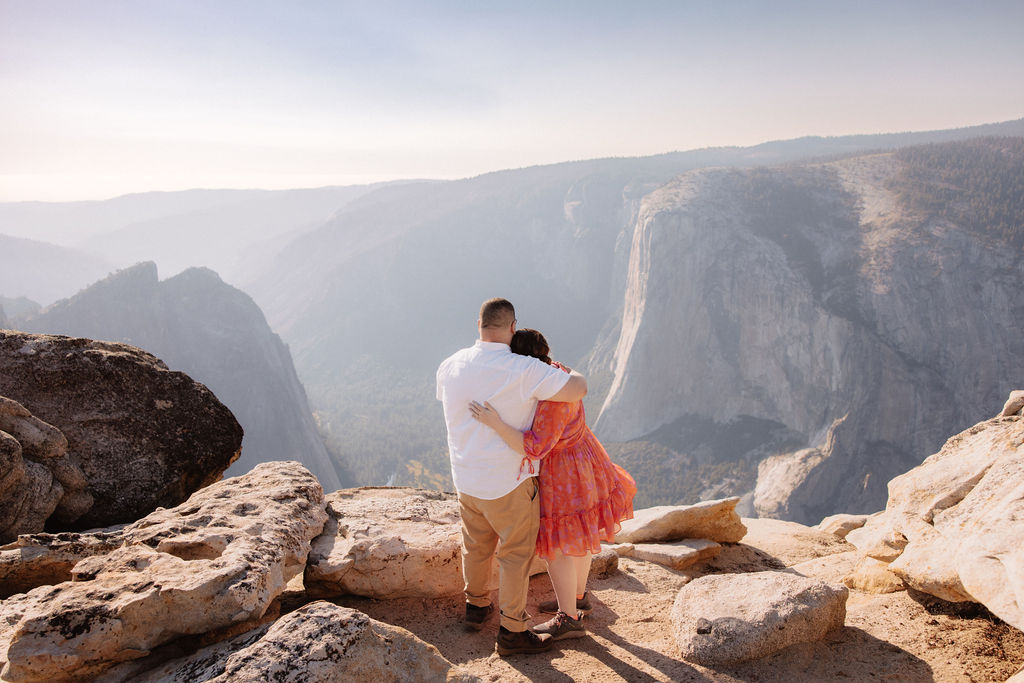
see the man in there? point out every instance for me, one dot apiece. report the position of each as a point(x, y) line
point(497, 501)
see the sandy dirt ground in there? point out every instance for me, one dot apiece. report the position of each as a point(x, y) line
point(894, 637)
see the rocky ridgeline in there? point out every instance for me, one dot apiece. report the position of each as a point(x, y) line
point(240, 580)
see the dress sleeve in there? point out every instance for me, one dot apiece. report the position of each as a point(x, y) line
point(548, 426)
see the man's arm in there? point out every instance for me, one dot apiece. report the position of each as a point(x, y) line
point(574, 390)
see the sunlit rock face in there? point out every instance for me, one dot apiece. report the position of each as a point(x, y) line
point(217, 560)
point(814, 297)
point(953, 527)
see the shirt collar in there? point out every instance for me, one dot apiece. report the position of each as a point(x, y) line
point(492, 346)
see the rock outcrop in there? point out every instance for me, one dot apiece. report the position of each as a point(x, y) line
point(218, 559)
point(714, 520)
point(318, 643)
point(677, 554)
point(37, 478)
point(388, 543)
point(44, 559)
point(143, 436)
point(730, 618)
point(196, 323)
point(954, 526)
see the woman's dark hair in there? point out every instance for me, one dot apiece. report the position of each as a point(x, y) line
point(527, 342)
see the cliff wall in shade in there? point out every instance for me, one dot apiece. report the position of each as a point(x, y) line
point(198, 324)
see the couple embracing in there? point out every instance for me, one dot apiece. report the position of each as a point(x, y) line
point(530, 474)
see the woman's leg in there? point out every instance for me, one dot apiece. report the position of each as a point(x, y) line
point(582, 570)
point(562, 570)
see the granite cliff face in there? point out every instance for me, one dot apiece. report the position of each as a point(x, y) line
point(823, 302)
point(197, 324)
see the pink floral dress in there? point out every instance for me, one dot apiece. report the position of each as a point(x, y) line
point(583, 494)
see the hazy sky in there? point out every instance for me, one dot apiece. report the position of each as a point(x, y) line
point(103, 97)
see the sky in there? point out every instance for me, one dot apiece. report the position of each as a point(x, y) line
point(108, 97)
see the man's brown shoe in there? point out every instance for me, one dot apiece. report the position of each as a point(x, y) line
point(521, 643)
point(476, 616)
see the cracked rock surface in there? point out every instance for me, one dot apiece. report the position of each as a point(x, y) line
point(218, 559)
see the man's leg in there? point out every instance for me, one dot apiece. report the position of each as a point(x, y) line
point(478, 542)
point(516, 519)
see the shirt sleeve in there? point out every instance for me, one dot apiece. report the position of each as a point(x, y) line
point(437, 380)
point(548, 426)
point(542, 381)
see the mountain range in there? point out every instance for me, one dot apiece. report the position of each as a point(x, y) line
point(794, 322)
point(213, 332)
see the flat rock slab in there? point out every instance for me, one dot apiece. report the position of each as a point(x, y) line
point(218, 559)
point(391, 542)
point(385, 542)
point(724, 619)
point(842, 524)
point(318, 643)
point(143, 436)
point(677, 555)
point(829, 568)
point(790, 542)
point(715, 520)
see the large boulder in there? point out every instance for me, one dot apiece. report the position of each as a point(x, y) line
point(37, 478)
point(388, 543)
point(218, 559)
point(143, 436)
point(954, 526)
point(318, 643)
point(714, 520)
point(723, 619)
point(397, 542)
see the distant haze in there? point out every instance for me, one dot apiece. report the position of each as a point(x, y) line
point(104, 98)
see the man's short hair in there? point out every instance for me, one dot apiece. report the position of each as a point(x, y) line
point(497, 313)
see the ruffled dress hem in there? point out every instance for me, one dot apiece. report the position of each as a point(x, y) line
point(580, 533)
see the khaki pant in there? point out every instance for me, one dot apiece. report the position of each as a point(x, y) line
point(514, 519)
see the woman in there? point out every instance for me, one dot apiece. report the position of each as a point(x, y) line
point(583, 494)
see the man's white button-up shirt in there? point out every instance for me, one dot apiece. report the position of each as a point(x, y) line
point(483, 466)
